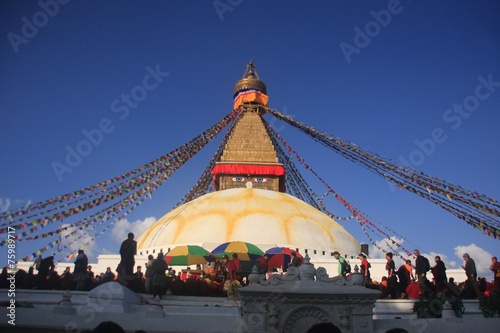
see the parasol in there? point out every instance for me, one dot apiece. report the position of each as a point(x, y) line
point(185, 255)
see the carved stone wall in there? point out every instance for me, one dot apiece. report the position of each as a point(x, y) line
point(295, 302)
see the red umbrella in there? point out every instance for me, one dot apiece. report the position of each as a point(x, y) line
point(281, 256)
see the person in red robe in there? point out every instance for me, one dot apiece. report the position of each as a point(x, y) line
point(495, 268)
point(263, 263)
point(413, 290)
point(232, 266)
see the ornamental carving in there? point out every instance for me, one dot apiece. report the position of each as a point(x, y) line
point(302, 320)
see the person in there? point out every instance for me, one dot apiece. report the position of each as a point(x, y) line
point(495, 268)
point(342, 264)
point(404, 277)
point(138, 283)
point(413, 290)
point(149, 274)
point(421, 267)
point(67, 279)
point(384, 290)
point(80, 271)
point(263, 263)
point(470, 272)
point(128, 250)
point(108, 275)
point(452, 288)
point(108, 327)
point(232, 266)
point(221, 268)
point(365, 269)
point(439, 273)
point(91, 280)
point(159, 278)
point(392, 281)
point(46, 265)
point(294, 260)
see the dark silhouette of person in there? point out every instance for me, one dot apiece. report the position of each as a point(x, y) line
point(159, 278)
point(294, 261)
point(108, 327)
point(80, 272)
point(46, 265)
point(439, 273)
point(263, 263)
point(128, 250)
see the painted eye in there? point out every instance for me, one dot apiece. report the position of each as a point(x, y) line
point(260, 180)
point(238, 179)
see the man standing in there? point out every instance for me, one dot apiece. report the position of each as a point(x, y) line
point(159, 267)
point(80, 272)
point(422, 266)
point(46, 265)
point(439, 273)
point(365, 268)
point(128, 250)
point(470, 271)
point(495, 268)
point(342, 263)
point(392, 281)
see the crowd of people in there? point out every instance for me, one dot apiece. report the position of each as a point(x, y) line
point(156, 278)
point(411, 280)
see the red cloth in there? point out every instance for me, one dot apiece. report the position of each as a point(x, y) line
point(263, 266)
point(232, 266)
point(246, 169)
point(413, 290)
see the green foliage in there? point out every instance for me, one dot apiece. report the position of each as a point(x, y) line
point(490, 305)
point(432, 307)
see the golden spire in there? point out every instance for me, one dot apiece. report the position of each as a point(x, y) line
point(249, 158)
point(250, 89)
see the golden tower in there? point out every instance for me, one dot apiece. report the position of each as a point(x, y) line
point(249, 158)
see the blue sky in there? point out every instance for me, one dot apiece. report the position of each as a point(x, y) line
point(382, 74)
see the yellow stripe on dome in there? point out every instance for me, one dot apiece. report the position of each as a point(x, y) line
point(251, 215)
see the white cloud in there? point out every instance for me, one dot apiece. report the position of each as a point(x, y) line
point(444, 258)
point(123, 227)
point(4, 205)
point(481, 257)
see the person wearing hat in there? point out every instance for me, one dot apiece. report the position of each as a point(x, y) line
point(221, 267)
point(470, 271)
point(365, 268)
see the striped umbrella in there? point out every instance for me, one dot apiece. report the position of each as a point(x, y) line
point(281, 256)
point(185, 255)
point(246, 251)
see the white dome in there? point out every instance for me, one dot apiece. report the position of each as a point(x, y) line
point(251, 215)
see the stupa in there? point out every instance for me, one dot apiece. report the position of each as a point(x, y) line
point(249, 203)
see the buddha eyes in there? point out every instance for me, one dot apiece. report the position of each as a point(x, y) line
point(253, 180)
point(238, 179)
